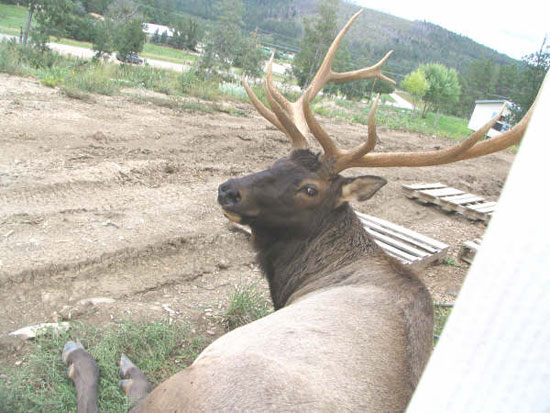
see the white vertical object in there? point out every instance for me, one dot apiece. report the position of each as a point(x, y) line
point(494, 353)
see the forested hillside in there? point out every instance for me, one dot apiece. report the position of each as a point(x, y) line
point(280, 22)
point(236, 32)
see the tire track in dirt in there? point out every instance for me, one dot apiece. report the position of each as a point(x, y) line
point(116, 197)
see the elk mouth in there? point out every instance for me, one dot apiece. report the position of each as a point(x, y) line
point(240, 218)
point(232, 217)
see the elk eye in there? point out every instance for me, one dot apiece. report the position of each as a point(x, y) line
point(309, 190)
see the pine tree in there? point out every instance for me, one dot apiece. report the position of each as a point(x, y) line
point(319, 33)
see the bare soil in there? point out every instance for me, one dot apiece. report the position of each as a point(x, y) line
point(114, 197)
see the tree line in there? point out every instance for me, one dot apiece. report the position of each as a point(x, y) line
point(230, 38)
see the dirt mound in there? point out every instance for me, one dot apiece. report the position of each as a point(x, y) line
point(118, 199)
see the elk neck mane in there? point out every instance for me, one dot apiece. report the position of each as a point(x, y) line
point(293, 258)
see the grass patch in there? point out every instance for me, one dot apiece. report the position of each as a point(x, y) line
point(77, 78)
point(246, 305)
point(168, 54)
point(40, 384)
point(395, 118)
point(450, 261)
point(12, 17)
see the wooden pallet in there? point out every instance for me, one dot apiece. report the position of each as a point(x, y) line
point(468, 250)
point(450, 199)
point(409, 247)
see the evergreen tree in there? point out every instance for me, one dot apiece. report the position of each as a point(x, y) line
point(225, 35)
point(103, 39)
point(482, 76)
point(51, 18)
point(129, 38)
point(508, 77)
point(227, 46)
point(319, 34)
point(530, 79)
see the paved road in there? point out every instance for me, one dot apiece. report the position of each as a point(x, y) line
point(84, 53)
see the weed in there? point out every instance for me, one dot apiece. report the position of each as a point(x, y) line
point(77, 94)
point(450, 261)
point(246, 305)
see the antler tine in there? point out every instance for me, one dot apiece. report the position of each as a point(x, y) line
point(278, 117)
point(325, 74)
point(340, 159)
point(468, 149)
point(265, 112)
point(278, 104)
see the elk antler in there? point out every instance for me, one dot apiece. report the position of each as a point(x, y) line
point(469, 148)
point(296, 118)
point(288, 116)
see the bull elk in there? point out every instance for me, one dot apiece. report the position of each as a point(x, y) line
point(352, 330)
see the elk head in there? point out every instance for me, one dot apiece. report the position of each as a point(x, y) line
point(299, 191)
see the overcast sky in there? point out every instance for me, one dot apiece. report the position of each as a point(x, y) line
point(515, 28)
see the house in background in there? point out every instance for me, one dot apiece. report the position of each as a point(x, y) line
point(150, 29)
point(485, 110)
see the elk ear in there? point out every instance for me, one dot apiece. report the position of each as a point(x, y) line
point(360, 188)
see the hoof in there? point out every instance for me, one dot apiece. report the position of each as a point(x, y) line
point(125, 366)
point(126, 385)
point(69, 348)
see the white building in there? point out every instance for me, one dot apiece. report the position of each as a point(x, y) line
point(485, 110)
point(150, 29)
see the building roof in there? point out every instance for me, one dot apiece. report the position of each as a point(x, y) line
point(151, 28)
point(507, 102)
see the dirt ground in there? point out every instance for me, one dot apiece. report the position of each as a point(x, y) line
point(116, 199)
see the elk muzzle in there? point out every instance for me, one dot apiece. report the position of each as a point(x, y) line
point(233, 198)
point(228, 194)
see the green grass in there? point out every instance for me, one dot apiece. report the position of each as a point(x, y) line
point(154, 51)
point(396, 118)
point(450, 261)
point(40, 384)
point(77, 78)
point(12, 18)
point(246, 305)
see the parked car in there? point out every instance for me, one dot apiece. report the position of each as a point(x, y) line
point(132, 58)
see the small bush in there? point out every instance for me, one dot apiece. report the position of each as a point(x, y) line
point(92, 78)
point(197, 84)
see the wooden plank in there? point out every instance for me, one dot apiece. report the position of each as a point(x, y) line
point(416, 187)
point(403, 230)
point(475, 215)
point(485, 207)
point(379, 229)
point(397, 244)
point(454, 200)
point(441, 192)
point(468, 250)
point(397, 253)
point(462, 199)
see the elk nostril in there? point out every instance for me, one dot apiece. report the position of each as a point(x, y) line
point(228, 195)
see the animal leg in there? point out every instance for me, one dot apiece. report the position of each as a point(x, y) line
point(134, 383)
point(84, 372)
